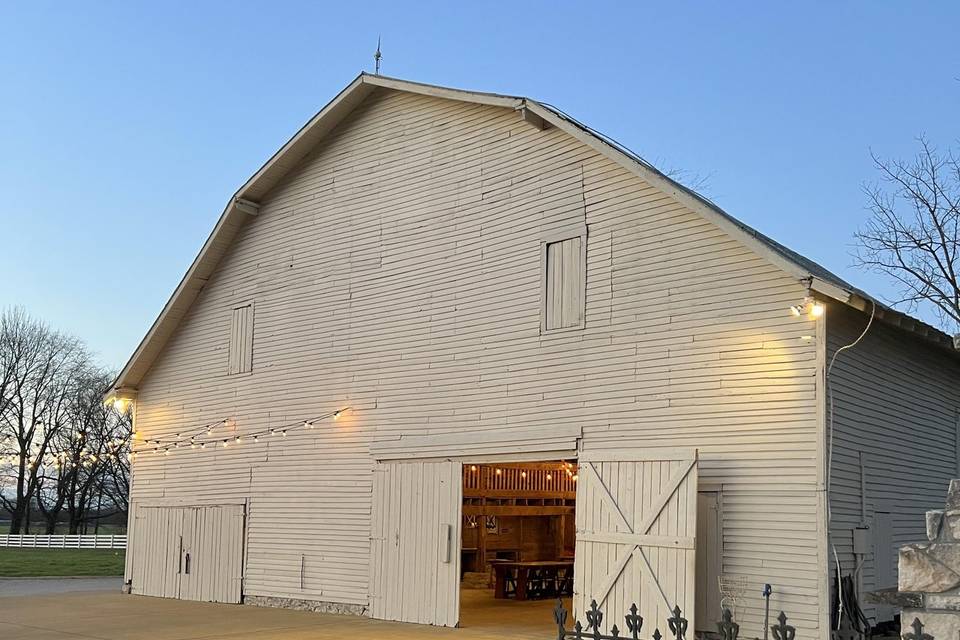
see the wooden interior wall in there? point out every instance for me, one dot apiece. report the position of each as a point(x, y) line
point(522, 511)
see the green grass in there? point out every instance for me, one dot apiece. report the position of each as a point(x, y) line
point(16, 563)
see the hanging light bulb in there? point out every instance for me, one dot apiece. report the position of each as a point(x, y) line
point(575, 476)
point(473, 467)
point(284, 433)
point(226, 443)
point(203, 445)
point(549, 477)
point(256, 438)
point(523, 474)
point(499, 471)
point(336, 414)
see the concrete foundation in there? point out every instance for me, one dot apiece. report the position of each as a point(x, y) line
point(306, 605)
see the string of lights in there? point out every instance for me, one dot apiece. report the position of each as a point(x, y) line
point(65, 459)
point(194, 439)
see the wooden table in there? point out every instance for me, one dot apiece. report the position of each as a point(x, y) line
point(536, 578)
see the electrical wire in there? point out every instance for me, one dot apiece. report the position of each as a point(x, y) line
point(833, 360)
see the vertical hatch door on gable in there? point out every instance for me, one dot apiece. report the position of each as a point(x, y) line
point(636, 534)
point(241, 340)
point(415, 542)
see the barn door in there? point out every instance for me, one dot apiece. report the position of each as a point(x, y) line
point(415, 542)
point(191, 553)
point(211, 556)
point(884, 559)
point(154, 546)
point(709, 560)
point(636, 530)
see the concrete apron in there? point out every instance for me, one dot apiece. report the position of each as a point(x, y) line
point(114, 616)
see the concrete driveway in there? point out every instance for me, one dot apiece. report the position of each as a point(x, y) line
point(42, 586)
point(114, 616)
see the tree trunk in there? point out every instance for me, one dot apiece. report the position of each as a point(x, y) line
point(51, 527)
point(16, 521)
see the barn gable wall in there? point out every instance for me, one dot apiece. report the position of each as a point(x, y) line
point(398, 270)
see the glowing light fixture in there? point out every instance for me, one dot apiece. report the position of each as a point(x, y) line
point(810, 307)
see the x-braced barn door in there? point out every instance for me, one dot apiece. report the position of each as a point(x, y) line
point(636, 533)
point(415, 542)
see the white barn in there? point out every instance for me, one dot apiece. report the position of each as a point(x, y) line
point(465, 279)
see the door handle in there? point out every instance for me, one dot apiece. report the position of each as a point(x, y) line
point(187, 563)
point(180, 557)
point(445, 543)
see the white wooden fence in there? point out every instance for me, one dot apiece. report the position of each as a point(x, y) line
point(63, 542)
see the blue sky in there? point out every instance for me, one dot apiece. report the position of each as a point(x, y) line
point(125, 126)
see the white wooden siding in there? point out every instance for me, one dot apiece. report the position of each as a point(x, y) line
point(895, 407)
point(241, 339)
point(398, 271)
point(415, 540)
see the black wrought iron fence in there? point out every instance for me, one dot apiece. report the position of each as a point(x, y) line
point(727, 628)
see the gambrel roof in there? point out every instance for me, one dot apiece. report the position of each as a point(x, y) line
point(245, 203)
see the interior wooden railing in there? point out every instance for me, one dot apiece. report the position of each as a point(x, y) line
point(542, 488)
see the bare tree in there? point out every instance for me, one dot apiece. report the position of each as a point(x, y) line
point(38, 369)
point(85, 474)
point(914, 231)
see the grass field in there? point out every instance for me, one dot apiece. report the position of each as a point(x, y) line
point(17, 563)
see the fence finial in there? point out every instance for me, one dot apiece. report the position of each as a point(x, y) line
point(634, 621)
point(918, 633)
point(678, 624)
point(783, 631)
point(729, 630)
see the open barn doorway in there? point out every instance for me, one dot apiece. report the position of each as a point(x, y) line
point(517, 543)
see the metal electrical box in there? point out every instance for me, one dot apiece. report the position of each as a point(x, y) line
point(862, 542)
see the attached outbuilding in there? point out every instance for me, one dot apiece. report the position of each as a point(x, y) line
point(444, 334)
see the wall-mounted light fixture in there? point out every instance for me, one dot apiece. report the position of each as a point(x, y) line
point(810, 307)
point(120, 399)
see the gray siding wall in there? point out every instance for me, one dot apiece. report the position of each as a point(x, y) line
point(398, 270)
point(895, 401)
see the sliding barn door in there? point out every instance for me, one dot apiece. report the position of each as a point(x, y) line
point(415, 542)
point(636, 530)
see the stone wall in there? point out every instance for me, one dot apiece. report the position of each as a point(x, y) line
point(929, 575)
point(306, 605)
